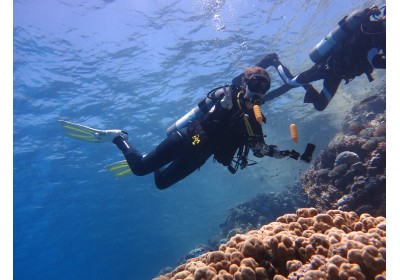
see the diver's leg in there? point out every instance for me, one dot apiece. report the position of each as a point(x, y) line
point(285, 75)
point(303, 79)
point(315, 73)
point(276, 92)
point(180, 168)
point(164, 153)
point(330, 86)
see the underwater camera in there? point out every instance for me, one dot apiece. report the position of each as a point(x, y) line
point(307, 155)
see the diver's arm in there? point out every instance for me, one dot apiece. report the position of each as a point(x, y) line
point(260, 150)
point(276, 92)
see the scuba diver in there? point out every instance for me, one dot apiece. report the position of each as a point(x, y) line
point(356, 46)
point(226, 124)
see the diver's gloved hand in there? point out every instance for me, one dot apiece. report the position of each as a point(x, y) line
point(258, 150)
point(292, 154)
point(261, 149)
point(276, 153)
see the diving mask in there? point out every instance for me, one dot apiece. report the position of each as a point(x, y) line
point(259, 84)
point(256, 87)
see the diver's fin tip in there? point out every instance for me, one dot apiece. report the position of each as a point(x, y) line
point(85, 133)
point(119, 169)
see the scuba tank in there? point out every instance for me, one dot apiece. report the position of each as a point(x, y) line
point(201, 109)
point(346, 27)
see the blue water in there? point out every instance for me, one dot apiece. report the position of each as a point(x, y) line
point(138, 66)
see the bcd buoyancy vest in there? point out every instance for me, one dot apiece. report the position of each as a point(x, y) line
point(226, 144)
point(237, 136)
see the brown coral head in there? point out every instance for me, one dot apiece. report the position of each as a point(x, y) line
point(318, 250)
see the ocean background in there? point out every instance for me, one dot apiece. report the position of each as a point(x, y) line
point(140, 66)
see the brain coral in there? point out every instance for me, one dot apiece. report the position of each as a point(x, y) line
point(306, 245)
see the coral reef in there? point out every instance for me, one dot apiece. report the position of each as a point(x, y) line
point(263, 209)
point(249, 215)
point(305, 245)
point(350, 173)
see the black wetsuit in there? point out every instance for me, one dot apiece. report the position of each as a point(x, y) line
point(221, 132)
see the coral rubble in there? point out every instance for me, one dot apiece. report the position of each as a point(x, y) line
point(305, 245)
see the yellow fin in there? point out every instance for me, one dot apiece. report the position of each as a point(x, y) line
point(119, 169)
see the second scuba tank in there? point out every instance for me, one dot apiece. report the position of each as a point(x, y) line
point(346, 27)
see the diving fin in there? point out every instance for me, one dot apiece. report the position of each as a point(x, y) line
point(119, 168)
point(268, 60)
point(277, 92)
point(89, 134)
